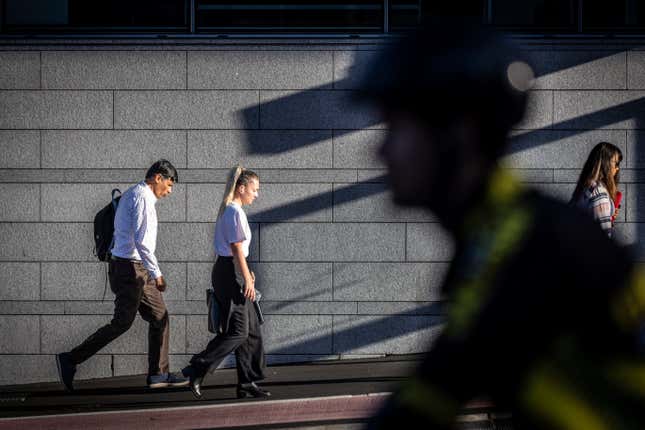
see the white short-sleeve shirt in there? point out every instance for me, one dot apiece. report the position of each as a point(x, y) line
point(232, 227)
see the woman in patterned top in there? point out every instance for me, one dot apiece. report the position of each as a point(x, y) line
point(598, 185)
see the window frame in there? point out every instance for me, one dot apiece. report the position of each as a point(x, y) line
point(193, 31)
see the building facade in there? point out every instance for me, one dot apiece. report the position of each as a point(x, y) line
point(344, 273)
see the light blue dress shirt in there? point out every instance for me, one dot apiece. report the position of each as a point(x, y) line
point(135, 227)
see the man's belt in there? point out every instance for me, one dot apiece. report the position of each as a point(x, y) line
point(126, 260)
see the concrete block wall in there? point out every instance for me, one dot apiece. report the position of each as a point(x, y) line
point(344, 272)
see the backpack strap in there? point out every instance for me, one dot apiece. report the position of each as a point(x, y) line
point(114, 205)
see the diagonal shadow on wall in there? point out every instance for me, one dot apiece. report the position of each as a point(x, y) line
point(325, 108)
point(628, 111)
point(632, 110)
point(354, 337)
point(319, 108)
point(542, 55)
point(319, 201)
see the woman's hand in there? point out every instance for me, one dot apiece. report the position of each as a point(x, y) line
point(240, 262)
point(615, 215)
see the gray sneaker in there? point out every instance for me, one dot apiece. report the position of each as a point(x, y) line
point(164, 380)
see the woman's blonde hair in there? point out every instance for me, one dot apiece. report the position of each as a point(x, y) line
point(237, 176)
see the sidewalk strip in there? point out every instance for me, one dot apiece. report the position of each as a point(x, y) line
point(248, 413)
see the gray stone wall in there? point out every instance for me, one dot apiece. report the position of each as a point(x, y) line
point(344, 272)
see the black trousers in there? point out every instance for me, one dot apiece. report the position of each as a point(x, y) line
point(135, 291)
point(240, 329)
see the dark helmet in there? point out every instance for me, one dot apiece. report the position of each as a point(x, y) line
point(445, 70)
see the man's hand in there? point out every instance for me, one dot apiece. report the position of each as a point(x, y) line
point(160, 283)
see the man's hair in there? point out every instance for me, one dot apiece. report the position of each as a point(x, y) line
point(165, 169)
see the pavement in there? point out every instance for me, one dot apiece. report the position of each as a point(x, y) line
point(334, 394)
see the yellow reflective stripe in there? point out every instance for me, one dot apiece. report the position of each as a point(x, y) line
point(469, 296)
point(468, 299)
point(628, 308)
point(429, 401)
point(503, 186)
point(549, 398)
point(510, 234)
point(502, 190)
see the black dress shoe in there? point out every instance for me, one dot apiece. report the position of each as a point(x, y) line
point(195, 381)
point(251, 390)
point(196, 386)
point(66, 370)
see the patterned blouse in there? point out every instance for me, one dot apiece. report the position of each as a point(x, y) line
point(597, 202)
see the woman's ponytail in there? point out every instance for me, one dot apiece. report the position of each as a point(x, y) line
point(229, 191)
point(237, 176)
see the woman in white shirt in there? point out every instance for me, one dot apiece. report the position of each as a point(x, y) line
point(234, 286)
point(597, 185)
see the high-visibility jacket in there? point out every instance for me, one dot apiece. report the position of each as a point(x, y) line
point(544, 316)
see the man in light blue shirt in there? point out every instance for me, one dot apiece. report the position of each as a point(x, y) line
point(135, 227)
point(136, 280)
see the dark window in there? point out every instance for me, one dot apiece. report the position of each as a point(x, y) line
point(96, 16)
point(36, 12)
point(535, 15)
point(314, 16)
point(615, 15)
point(360, 16)
point(406, 14)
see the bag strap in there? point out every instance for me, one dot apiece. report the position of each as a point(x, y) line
point(114, 205)
point(114, 202)
point(106, 279)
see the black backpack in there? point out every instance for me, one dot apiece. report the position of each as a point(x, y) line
point(104, 228)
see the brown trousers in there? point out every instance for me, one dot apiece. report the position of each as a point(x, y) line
point(135, 290)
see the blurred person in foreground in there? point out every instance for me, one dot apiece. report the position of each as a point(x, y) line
point(544, 313)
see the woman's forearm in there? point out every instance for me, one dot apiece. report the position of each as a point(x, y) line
point(240, 262)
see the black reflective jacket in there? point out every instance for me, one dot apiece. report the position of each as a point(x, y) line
point(544, 317)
